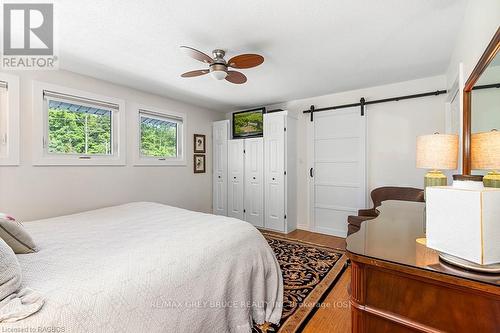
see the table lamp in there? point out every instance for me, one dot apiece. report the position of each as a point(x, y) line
point(485, 155)
point(437, 152)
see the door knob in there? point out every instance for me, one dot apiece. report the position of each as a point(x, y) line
point(219, 177)
point(234, 177)
point(253, 177)
point(274, 178)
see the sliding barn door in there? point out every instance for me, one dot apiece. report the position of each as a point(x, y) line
point(220, 137)
point(254, 181)
point(337, 177)
point(236, 181)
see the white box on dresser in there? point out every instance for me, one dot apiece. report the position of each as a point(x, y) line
point(464, 223)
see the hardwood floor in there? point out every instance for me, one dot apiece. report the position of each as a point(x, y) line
point(313, 237)
point(335, 313)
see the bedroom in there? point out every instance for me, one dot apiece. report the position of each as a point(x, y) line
point(151, 201)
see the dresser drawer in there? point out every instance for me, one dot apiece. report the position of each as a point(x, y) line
point(393, 301)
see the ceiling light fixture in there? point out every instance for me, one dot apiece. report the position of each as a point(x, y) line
point(219, 67)
point(218, 71)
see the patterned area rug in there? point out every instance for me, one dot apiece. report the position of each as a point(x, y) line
point(308, 272)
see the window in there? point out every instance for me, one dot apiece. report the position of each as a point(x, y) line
point(78, 128)
point(9, 119)
point(4, 120)
point(160, 138)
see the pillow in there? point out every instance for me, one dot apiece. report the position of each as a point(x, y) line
point(10, 271)
point(14, 234)
point(15, 304)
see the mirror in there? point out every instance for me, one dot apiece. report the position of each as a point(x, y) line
point(482, 100)
point(485, 99)
point(485, 104)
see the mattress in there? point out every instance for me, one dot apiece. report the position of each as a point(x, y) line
point(147, 267)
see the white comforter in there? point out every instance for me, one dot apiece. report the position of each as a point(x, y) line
point(146, 267)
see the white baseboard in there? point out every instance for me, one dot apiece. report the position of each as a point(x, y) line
point(304, 227)
point(330, 231)
point(323, 230)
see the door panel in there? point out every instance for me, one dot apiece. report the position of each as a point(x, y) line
point(343, 126)
point(274, 204)
point(220, 137)
point(337, 173)
point(339, 196)
point(236, 173)
point(254, 181)
point(274, 168)
point(338, 186)
point(220, 198)
point(337, 150)
point(324, 218)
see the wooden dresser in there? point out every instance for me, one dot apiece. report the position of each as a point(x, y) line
point(399, 285)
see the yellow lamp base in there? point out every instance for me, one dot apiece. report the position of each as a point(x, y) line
point(492, 179)
point(435, 178)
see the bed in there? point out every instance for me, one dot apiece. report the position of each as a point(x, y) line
point(147, 267)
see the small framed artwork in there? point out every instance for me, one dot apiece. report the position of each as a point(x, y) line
point(199, 163)
point(199, 143)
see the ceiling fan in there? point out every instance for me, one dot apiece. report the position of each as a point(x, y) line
point(218, 67)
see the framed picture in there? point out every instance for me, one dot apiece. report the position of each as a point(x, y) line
point(199, 143)
point(199, 163)
point(249, 123)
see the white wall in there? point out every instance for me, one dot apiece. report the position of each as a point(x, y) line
point(29, 192)
point(392, 129)
point(481, 20)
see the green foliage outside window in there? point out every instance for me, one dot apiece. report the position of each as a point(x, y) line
point(82, 133)
point(158, 139)
point(79, 132)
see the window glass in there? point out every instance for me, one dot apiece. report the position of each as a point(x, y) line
point(4, 128)
point(158, 136)
point(79, 129)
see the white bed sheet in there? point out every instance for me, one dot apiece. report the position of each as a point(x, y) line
point(147, 267)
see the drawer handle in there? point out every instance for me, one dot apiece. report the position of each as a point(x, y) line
point(234, 177)
point(274, 178)
point(253, 177)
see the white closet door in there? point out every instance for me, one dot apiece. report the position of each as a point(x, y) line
point(254, 181)
point(274, 169)
point(220, 137)
point(338, 188)
point(236, 181)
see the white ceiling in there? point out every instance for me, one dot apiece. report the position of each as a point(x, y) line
point(310, 47)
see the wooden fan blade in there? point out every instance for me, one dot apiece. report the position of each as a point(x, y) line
point(195, 73)
point(198, 55)
point(246, 61)
point(236, 77)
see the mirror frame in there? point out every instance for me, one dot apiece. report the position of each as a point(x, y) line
point(484, 61)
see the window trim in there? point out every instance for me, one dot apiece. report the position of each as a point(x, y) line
point(139, 159)
point(13, 125)
point(41, 157)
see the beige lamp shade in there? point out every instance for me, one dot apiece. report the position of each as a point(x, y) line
point(437, 151)
point(485, 150)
